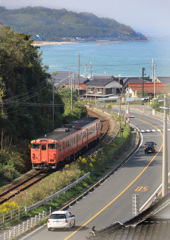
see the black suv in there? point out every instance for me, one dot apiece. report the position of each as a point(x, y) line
point(150, 147)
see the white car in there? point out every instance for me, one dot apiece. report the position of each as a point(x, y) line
point(61, 219)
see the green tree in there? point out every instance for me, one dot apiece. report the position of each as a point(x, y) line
point(28, 93)
point(78, 111)
point(26, 96)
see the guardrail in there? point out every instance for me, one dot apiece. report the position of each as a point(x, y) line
point(57, 194)
point(26, 225)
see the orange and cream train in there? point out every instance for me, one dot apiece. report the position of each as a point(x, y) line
point(65, 144)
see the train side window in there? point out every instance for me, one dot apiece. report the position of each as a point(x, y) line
point(67, 144)
point(79, 137)
point(43, 147)
point(35, 146)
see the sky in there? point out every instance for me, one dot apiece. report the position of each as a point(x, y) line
point(144, 16)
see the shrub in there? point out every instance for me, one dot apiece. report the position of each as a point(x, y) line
point(7, 207)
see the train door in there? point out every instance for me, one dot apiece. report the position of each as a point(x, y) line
point(44, 153)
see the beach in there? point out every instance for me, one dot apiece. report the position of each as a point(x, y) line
point(44, 43)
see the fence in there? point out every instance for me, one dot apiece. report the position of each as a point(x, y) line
point(24, 226)
point(11, 217)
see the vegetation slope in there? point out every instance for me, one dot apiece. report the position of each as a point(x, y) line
point(55, 25)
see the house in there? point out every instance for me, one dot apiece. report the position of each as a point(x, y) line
point(148, 87)
point(66, 79)
point(103, 87)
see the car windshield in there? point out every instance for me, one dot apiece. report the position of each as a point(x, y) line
point(57, 216)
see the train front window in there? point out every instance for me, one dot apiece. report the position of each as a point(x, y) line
point(43, 147)
point(35, 146)
point(52, 146)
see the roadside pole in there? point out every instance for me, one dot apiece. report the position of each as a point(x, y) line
point(120, 116)
point(165, 152)
point(53, 102)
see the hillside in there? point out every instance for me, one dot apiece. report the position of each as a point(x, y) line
point(55, 25)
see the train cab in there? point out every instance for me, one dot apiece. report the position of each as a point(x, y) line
point(44, 153)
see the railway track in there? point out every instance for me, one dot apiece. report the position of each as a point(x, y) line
point(18, 186)
point(21, 185)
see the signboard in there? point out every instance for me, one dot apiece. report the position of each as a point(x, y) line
point(129, 99)
point(128, 115)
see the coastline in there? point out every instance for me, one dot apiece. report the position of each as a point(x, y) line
point(98, 43)
point(44, 43)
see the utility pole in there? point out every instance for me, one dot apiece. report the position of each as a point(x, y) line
point(79, 74)
point(85, 70)
point(143, 73)
point(91, 70)
point(153, 75)
point(165, 152)
point(53, 101)
point(72, 92)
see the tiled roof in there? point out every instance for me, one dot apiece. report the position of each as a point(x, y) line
point(164, 80)
point(135, 80)
point(101, 77)
point(157, 230)
point(148, 87)
point(140, 227)
point(100, 80)
point(63, 77)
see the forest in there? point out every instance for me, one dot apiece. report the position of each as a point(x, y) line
point(57, 25)
point(26, 100)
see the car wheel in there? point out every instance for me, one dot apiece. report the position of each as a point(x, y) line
point(74, 224)
point(49, 229)
point(69, 227)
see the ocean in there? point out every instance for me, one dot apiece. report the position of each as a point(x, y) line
point(124, 59)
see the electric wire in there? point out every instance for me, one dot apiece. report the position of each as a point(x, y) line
point(23, 94)
point(27, 105)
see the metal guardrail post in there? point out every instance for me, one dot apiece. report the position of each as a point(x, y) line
point(32, 221)
point(10, 234)
point(19, 228)
point(40, 216)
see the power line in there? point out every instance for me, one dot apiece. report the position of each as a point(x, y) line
point(26, 93)
point(30, 104)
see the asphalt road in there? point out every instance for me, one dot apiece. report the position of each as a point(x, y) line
point(112, 201)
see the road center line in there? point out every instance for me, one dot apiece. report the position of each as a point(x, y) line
point(124, 189)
